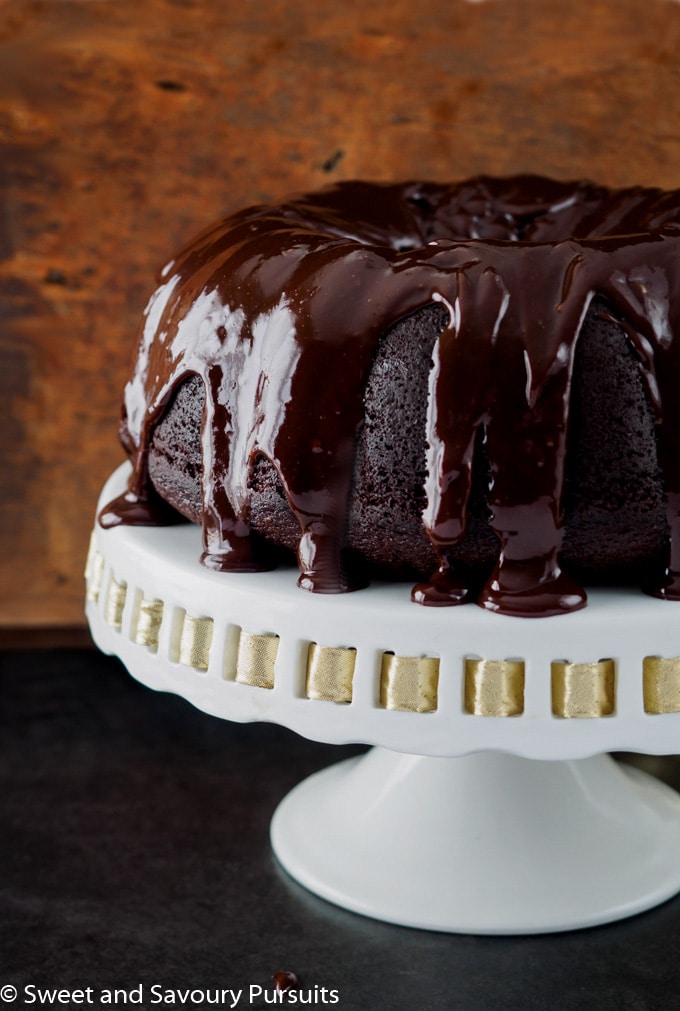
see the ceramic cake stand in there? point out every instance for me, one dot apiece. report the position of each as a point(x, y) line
point(488, 803)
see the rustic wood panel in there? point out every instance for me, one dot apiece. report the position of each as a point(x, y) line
point(125, 127)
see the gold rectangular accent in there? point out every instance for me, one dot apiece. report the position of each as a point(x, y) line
point(409, 683)
point(256, 658)
point(114, 604)
point(148, 624)
point(661, 684)
point(494, 687)
point(94, 571)
point(330, 670)
point(195, 642)
point(583, 690)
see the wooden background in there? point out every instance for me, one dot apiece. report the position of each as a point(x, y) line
point(126, 127)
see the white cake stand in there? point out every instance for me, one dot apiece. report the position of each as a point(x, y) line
point(487, 804)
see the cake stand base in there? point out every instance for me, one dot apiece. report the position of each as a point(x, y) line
point(482, 844)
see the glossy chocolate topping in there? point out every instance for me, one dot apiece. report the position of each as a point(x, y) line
point(279, 311)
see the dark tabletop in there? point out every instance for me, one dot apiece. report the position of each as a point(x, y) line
point(135, 856)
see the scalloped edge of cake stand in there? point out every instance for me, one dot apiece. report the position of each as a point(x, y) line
point(239, 647)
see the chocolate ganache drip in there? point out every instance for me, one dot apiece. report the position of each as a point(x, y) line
point(279, 311)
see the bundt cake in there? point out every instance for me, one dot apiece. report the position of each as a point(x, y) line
point(474, 387)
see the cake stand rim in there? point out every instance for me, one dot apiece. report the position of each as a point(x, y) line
point(131, 569)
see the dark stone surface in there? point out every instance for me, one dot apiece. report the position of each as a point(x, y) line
point(135, 852)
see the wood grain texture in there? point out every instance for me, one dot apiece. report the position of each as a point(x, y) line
point(126, 127)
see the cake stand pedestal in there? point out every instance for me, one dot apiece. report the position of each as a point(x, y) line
point(488, 803)
point(484, 844)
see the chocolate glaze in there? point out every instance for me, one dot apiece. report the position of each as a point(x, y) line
point(285, 980)
point(279, 311)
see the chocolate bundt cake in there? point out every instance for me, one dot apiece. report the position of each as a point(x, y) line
point(474, 387)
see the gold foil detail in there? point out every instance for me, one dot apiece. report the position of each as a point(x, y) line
point(148, 623)
point(494, 687)
point(661, 684)
point(114, 604)
point(195, 642)
point(256, 658)
point(94, 571)
point(330, 670)
point(409, 683)
point(583, 690)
